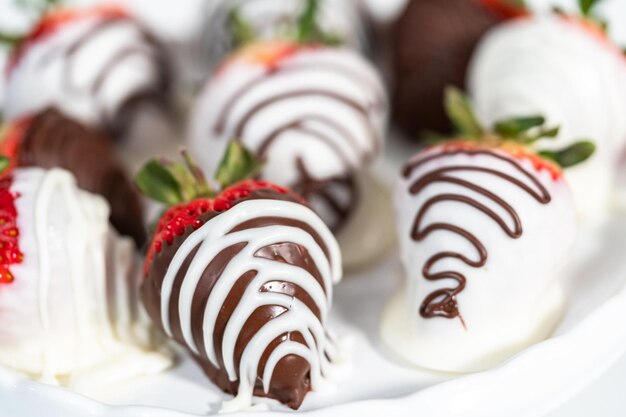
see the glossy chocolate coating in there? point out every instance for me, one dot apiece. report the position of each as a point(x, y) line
point(54, 141)
point(432, 44)
point(291, 380)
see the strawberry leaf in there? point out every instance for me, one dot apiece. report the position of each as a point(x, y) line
point(572, 155)
point(586, 6)
point(200, 184)
point(157, 182)
point(515, 127)
point(548, 133)
point(10, 40)
point(242, 30)
point(5, 162)
point(238, 164)
point(460, 112)
point(307, 22)
point(308, 29)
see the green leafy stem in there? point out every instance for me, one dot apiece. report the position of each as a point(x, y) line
point(305, 29)
point(172, 183)
point(525, 131)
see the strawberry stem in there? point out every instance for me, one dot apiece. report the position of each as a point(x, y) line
point(202, 187)
point(242, 30)
point(238, 164)
point(461, 113)
point(174, 183)
point(524, 131)
point(304, 29)
point(5, 162)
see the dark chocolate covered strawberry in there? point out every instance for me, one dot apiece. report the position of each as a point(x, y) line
point(51, 140)
point(243, 279)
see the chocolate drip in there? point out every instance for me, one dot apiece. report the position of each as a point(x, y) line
point(52, 140)
point(291, 380)
point(118, 122)
point(309, 187)
point(443, 302)
point(431, 47)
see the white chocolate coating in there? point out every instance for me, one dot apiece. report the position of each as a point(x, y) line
point(322, 106)
point(72, 307)
point(510, 302)
point(215, 236)
point(88, 69)
point(548, 66)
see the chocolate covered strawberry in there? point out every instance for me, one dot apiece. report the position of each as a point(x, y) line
point(312, 111)
point(96, 65)
point(51, 140)
point(66, 283)
point(567, 69)
point(486, 223)
point(243, 279)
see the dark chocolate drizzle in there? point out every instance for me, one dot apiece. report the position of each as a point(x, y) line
point(54, 141)
point(443, 302)
point(311, 188)
point(118, 122)
point(291, 378)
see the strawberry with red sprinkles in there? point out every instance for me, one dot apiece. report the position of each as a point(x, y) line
point(183, 188)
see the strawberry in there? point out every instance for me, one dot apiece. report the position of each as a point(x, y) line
point(56, 19)
point(509, 147)
point(507, 9)
point(516, 137)
point(194, 202)
point(304, 32)
point(10, 139)
point(52, 140)
point(10, 252)
point(268, 54)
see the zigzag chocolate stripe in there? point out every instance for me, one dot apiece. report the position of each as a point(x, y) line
point(237, 298)
point(443, 302)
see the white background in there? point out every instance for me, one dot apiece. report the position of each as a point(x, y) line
point(606, 397)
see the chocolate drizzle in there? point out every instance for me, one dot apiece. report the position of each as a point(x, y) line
point(54, 141)
point(117, 122)
point(291, 377)
point(443, 302)
point(312, 187)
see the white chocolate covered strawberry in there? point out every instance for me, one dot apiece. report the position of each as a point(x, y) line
point(96, 65)
point(485, 226)
point(68, 285)
point(568, 70)
point(315, 115)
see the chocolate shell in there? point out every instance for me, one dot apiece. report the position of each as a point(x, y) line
point(432, 43)
point(293, 375)
point(52, 140)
